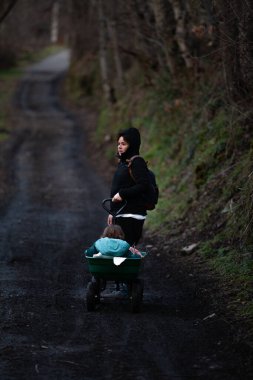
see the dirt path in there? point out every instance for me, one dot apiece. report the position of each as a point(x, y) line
point(46, 332)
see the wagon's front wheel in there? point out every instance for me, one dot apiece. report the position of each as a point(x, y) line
point(136, 295)
point(91, 296)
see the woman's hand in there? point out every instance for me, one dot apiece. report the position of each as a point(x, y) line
point(109, 220)
point(135, 251)
point(117, 198)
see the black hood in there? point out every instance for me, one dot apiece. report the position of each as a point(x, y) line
point(132, 136)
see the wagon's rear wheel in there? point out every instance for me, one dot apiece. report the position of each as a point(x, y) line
point(92, 294)
point(136, 295)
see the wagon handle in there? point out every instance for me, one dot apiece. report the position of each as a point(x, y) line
point(114, 214)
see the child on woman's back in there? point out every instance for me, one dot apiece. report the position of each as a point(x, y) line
point(112, 243)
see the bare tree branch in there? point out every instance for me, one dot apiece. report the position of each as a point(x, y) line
point(207, 4)
point(7, 11)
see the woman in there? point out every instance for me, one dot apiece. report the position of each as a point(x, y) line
point(129, 187)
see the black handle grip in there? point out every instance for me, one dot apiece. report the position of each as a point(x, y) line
point(105, 202)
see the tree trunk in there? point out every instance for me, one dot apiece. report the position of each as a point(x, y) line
point(139, 40)
point(115, 46)
point(108, 91)
point(236, 32)
point(7, 10)
point(143, 50)
point(180, 14)
point(245, 27)
point(164, 35)
point(55, 22)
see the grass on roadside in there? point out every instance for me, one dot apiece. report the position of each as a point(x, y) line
point(29, 57)
point(8, 82)
point(235, 267)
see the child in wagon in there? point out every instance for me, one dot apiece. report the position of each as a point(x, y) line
point(112, 243)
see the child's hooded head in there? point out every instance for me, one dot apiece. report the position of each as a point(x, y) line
point(113, 231)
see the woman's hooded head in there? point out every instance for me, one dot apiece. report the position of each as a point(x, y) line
point(133, 138)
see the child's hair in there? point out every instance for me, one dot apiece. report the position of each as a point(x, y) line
point(113, 231)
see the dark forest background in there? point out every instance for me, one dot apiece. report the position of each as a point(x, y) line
point(181, 72)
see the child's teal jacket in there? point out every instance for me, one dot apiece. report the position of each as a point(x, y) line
point(110, 247)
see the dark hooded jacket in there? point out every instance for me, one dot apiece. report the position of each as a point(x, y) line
point(130, 189)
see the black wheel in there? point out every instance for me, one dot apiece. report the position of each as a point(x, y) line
point(97, 286)
point(136, 295)
point(91, 296)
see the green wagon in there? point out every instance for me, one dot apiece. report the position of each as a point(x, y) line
point(103, 269)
